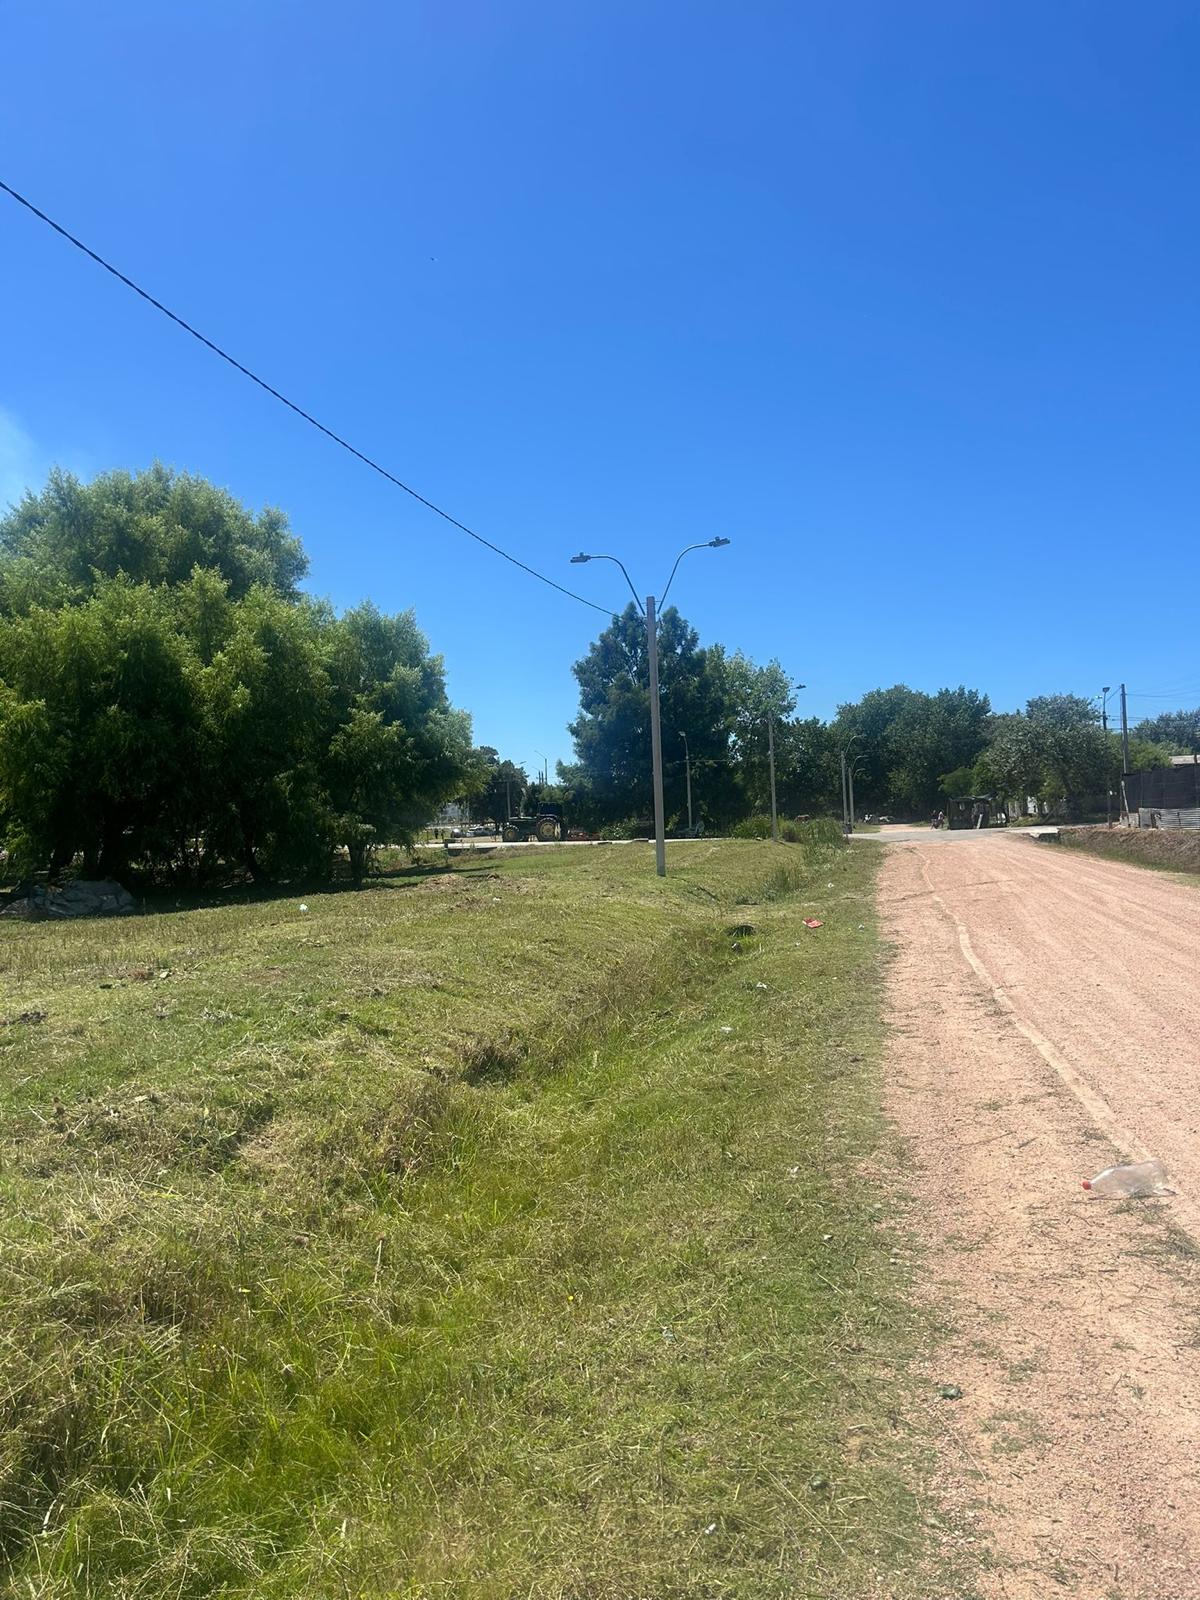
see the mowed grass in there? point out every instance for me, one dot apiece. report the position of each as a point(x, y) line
point(490, 1232)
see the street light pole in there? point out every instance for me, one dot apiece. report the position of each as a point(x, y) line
point(1104, 694)
point(848, 787)
point(771, 767)
point(660, 833)
point(660, 825)
point(687, 772)
point(845, 810)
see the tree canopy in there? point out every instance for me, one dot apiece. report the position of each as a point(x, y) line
point(1177, 730)
point(151, 527)
point(610, 779)
point(181, 718)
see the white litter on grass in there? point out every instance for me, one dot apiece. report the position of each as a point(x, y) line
point(712, 1528)
point(303, 907)
point(793, 1172)
point(726, 1030)
point(760, 986)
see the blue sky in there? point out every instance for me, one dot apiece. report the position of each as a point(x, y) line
point(899, 298)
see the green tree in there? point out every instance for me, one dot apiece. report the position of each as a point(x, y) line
point(1013, 765)
point(497, 785)
point(1178, 731)
point(906, 740)
point(610, 779)
point(399, 750)
point(150, 527)
point(168, 701)
point(98, 728)
point(758, 696)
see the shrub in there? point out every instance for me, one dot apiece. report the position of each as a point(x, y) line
point(752, 828)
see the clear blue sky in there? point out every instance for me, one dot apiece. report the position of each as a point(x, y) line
point(902, 298)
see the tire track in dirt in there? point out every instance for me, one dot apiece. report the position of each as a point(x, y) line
point(1029, 1039)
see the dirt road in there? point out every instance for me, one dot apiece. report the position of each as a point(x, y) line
point(1046, 1021)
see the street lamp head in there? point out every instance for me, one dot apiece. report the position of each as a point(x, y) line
point(715, 544)
point(1106, 688)
point(577, 561)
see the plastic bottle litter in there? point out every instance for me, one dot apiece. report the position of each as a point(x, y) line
point(1140, 1177)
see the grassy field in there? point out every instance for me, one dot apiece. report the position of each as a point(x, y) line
point(489, 1232)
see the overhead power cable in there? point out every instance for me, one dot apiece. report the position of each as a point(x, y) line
point(292, 406)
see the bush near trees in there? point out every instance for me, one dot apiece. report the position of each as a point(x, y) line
point(171, 703)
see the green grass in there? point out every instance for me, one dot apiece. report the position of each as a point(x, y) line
point(485, 1233)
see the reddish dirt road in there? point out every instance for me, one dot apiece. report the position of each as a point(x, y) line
point(1045, 1010)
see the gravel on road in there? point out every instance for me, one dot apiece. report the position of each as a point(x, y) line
point(1045, 1023)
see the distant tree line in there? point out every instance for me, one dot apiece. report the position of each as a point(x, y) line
point(171, 702)
point(910, 751)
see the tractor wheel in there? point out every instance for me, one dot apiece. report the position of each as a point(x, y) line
point(509, 834)
point(547, 828)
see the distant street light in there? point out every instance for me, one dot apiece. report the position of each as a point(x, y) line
point(687, 771)
point(660, 827)
point(848, 787)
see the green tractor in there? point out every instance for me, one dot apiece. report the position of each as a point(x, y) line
point(548, 827)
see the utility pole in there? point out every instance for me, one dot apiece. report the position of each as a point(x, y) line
point(850, 780)
point(845, 808)
point(1124, 732)
point(660, 825)
point(687, 770)
point(771, 765)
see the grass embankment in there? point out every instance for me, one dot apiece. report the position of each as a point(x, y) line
point(483, 1234)
point(1173, 849)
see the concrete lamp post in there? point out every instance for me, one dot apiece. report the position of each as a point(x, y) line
point(648, 611)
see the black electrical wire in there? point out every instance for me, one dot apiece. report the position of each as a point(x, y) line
point(292, 406)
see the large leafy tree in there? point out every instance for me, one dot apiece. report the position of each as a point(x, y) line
point(151, 527)
point(175, 716)
point(904, 741)
point(98, 726)
point(610, 779)
point(398, 750)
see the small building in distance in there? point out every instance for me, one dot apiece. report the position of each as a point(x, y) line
point(1164, 797)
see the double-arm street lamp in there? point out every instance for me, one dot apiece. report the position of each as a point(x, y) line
point(848, 786)
point(648, 611)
